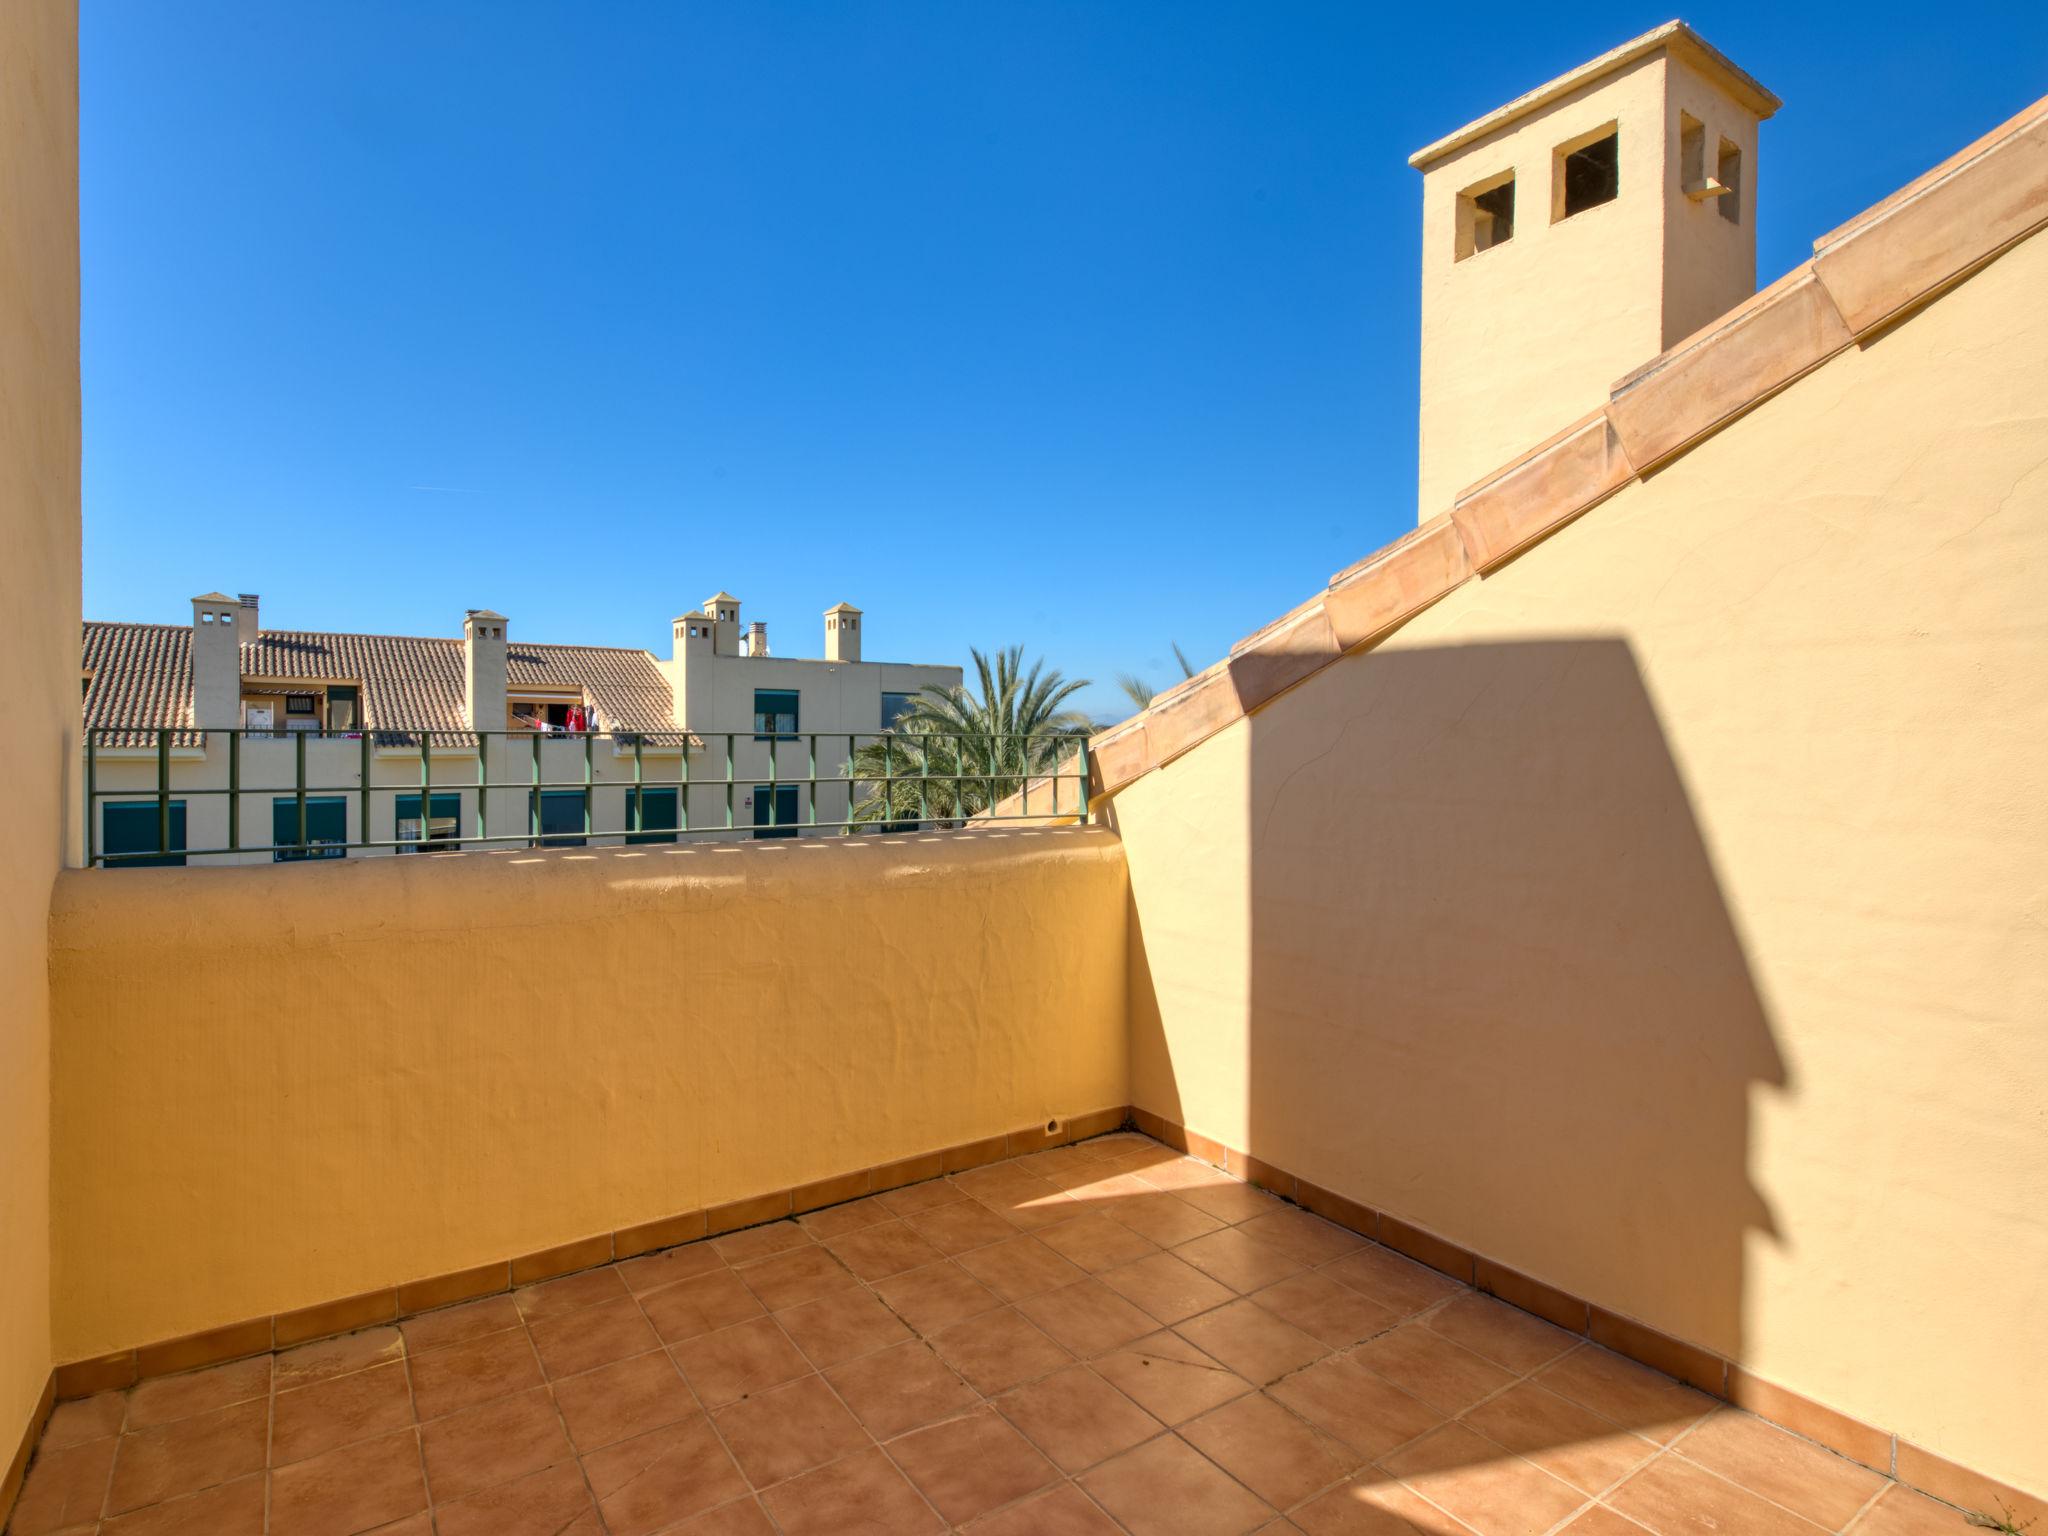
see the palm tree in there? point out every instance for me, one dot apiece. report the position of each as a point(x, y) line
point(1140, 692)
point(952, 755)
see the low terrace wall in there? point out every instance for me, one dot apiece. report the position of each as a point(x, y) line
point(279, 1086)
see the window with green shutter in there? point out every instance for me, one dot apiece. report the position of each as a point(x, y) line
point(561, 814)
point(326, 827)
point(657, 816)
point(131, 826)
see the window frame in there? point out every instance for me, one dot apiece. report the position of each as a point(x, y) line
point(776, 730)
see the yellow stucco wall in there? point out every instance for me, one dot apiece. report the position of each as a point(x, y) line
point(39, 633)
point(279, 1086)
point(1663, 915)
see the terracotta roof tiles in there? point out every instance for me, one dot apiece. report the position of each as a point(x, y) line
point(141, 676)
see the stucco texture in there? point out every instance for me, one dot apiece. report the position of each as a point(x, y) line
point(39, 630)
point(1663, 915)
point(413, 1066)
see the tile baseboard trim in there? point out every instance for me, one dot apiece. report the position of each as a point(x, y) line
point(17, 1469)
point(300, 1325)
point(1883, 1451)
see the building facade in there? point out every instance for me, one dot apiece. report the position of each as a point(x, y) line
point(285, 745)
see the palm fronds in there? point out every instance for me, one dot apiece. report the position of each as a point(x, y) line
point(954, 754)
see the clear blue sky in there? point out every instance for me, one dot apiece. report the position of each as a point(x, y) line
point(1091, 326)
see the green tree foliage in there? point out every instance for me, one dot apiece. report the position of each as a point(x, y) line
point(953, 754)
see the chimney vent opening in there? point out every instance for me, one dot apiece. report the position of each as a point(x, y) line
point(1728, 172)
point(1486, 215)
point(1586, 172)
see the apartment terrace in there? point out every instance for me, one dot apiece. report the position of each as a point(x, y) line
point(1544, 1037)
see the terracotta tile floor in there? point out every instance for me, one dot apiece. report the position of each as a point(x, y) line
point(1104, 1338)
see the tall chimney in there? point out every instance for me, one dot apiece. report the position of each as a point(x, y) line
point(483, 652)
point(757, 639)
point(842, 632)
point(216, 663)
point(690, 688)
point(724, 609)
point(1573, 234)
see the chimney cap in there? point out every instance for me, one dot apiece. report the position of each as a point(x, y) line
point(842, 608)
point(250, 599)
point(1675, 35)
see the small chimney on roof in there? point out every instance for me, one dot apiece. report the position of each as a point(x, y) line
point(842, 632)
point(245, 619)
point(757, 638)
point(484, 668)
point(216, 662)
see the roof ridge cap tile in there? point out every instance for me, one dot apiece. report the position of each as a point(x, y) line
point(1760, 347)
point(1524, 501)
point(1978, 147)
point(1937, 230)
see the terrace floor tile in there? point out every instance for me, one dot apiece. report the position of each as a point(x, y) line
point(1092, 1340)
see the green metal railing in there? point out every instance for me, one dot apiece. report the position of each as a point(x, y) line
point(893, 782)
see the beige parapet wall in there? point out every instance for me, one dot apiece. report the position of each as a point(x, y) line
point(1659, 913)
point(276, 1088)
point(39, 588)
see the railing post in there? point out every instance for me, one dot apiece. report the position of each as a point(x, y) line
point(811, 783)
point(163, 789)
point(589, 820)
point(639, 816)
point(426, 789)
point(683, 788)
point(299, 772)
point(1081, 778)
point(91, 797)
point(234, 791)
point(533, 796)
point(363, 787)
point(728, 781)
point(483, 786)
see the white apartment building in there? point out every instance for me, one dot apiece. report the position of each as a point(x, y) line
point(414, 744)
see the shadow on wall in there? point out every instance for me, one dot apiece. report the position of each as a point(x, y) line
point(1492, 987)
